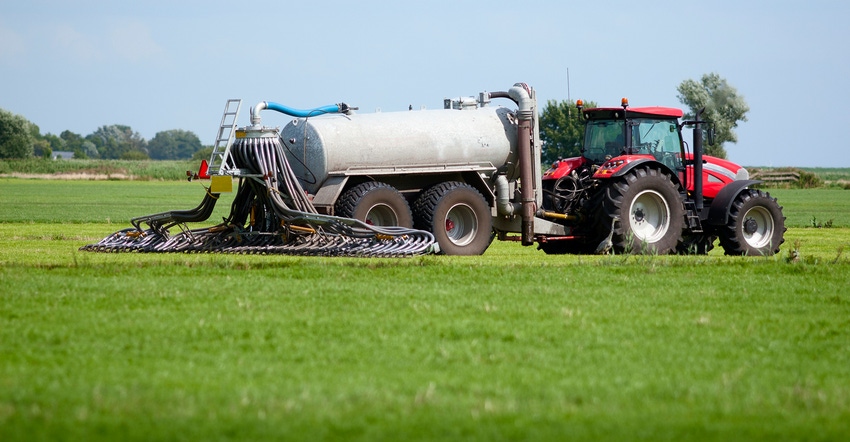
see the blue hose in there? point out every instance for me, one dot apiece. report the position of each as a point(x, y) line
point(303, 113)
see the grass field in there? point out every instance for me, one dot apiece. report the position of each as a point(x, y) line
point(102, 169)
point(511, 345)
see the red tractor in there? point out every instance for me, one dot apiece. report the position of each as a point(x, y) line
point(638, 188)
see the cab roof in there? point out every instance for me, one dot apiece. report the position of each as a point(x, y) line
point(634, 112)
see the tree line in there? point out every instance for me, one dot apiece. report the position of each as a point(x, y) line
point(20, 138)
point(561, 130)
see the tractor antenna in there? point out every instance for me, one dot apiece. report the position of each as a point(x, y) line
point(569, 99)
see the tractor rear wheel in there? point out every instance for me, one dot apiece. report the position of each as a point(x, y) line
point(756, 225)
point(375, 203)
point(641, 212)
point(457, 215)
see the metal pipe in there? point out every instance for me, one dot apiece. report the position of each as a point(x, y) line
point(503, 197)
point(501, 94)
point(521, 95)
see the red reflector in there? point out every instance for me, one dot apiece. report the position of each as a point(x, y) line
point(204, 173)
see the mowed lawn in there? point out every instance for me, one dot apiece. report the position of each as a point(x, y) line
point(511, 345)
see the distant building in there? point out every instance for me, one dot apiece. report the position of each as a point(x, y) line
point(62, 155)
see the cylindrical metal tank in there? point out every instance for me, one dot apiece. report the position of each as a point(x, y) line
point(406, 142)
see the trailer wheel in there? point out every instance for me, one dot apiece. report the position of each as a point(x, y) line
point(457, 215)
point(375, 203)
point(756, 225)
point(641, 212)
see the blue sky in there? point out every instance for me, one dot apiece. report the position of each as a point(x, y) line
point(158, 65)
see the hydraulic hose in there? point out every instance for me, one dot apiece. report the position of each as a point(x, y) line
point(299, 113)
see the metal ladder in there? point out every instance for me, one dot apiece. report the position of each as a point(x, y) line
point(220, 161)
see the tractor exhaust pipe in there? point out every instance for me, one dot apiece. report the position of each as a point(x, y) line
point(698, 200)
point(520, 93)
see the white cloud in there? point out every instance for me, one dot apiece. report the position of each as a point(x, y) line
point(133, 41)
point(13, 44)
point(74, 44)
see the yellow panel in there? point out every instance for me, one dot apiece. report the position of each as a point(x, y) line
point(221, 184)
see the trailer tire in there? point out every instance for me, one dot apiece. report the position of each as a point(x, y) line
point(457, 215)
point(641, 212)
point(755, 226)
point(375, 203)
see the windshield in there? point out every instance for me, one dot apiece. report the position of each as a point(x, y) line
point(604, 140)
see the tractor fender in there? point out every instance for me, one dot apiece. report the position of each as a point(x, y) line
point(718, 213)
point(652, 163)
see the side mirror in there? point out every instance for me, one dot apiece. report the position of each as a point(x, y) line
point(709, 134)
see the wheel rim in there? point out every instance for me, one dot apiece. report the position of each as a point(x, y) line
point(757, 227)
point(649, 216)
point(381, 215)
point(461, 224)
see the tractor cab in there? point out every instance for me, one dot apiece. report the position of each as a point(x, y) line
point(614, 137)
point(648, 132)
point(617, 136)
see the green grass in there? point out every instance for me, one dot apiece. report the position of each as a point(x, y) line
point(801, 206)
point(830, 173)
point(137, 170)
point(83, 201)
point(511, 345)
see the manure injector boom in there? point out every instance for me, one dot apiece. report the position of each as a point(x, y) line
point(270, 213)
point(336, 183)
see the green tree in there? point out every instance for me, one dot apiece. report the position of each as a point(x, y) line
point(561, 130)
point(41, 148)
point(16, 140)
point(724, 108)
point(56, 143)
point(134, 155)
point(204, 154)
point(174, 144)
point(114, 141)
point(73, 142)
point(81, 147)
point(87, 149)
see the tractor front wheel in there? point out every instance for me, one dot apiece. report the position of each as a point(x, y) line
point(641, 212)
point(755, 226)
